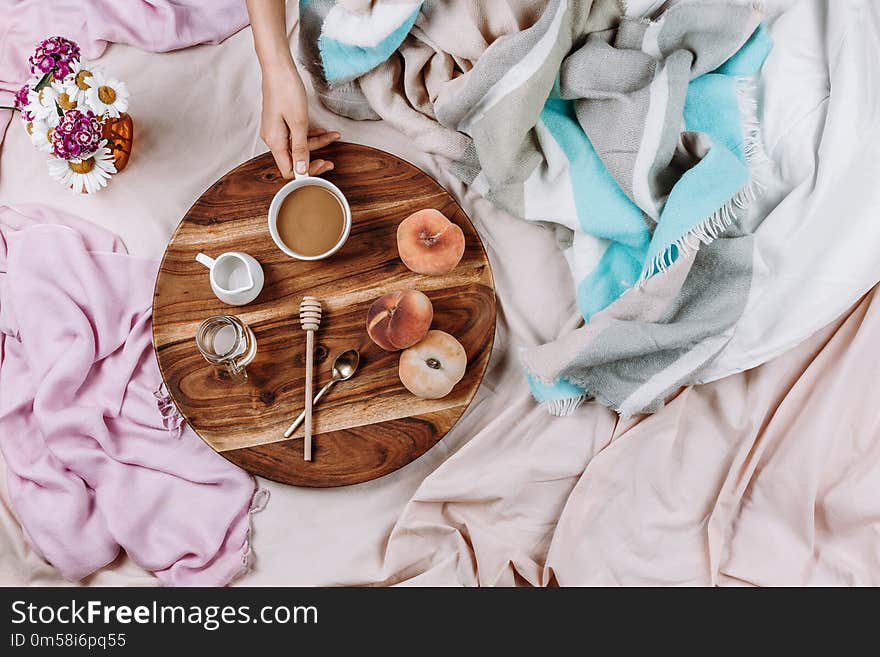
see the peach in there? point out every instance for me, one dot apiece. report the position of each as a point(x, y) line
point(398, 320)
point(428, 243)
point(431, 368)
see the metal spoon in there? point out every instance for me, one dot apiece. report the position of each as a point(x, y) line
point(344, 368)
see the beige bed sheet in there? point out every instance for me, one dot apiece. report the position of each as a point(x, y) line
point(733, 482)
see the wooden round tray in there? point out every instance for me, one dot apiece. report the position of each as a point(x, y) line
point(365, 427)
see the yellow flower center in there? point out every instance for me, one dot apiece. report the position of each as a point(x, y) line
point(65, 103)
point(49, 133)
point(83, 166)
point(106, 94)
point(30, 128)
point(80, 80)
point(40, 97)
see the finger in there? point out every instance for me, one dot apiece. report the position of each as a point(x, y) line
point(282, 159)
point(317, 167)
point(317, 141)
point(314, 132)
point(299, 142)
point(277, 138)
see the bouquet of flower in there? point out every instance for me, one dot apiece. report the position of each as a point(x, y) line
point(76, 114)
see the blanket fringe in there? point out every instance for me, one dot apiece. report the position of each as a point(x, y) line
point(753, 145)
point(172, 420)
point(259, 500)
point(563, 407)
point(705, 232)
point(713, 226)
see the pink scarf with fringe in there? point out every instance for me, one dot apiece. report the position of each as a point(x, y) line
point(93, 466)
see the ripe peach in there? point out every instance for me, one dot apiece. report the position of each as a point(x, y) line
point(398, 320)
point(429, 243)
point(431, 368)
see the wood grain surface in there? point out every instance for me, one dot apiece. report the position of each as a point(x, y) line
point(365, 427)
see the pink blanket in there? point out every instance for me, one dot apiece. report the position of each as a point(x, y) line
point(155, 25)
point(91, 467)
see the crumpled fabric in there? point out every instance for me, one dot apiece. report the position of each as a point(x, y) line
point(92, 468)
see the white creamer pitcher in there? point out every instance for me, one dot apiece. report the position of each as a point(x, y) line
point(236, 277)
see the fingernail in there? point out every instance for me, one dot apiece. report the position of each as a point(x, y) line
point(301, 166)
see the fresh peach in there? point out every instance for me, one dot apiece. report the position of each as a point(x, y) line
point(429, 243)
point(398, 320)
point(431, 368)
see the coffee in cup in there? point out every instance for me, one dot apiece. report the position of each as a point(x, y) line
point(309, 218)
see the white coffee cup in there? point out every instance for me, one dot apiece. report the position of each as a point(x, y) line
point(236, 277)
point(289, 188)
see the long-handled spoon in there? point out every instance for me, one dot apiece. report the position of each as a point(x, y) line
point(344, 368)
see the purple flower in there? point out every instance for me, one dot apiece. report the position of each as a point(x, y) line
point(21, 97)
point(71, 148)
point(78, 134)
point(56, 52)
point(21, 101)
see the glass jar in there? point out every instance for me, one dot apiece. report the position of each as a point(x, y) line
point(227, 343)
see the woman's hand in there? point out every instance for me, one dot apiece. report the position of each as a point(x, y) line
point(285, 125)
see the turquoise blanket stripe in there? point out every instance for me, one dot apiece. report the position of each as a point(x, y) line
point(343, 62)
point(701, 191)
point(604, 211)
point(748, 60)
point(618, 267)
point(603, 208)
point(711, 107)
point(558, 391)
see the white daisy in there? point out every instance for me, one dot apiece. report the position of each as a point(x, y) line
point(78, 81)
point(106, 96)
point(86, 175)
point(65, 102)
point(42, 105)
point(39, 132)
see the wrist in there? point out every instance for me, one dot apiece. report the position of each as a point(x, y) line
point(277, 64)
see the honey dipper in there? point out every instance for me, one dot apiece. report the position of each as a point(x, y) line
point(309, 319)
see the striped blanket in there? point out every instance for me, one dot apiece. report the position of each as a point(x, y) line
point(637, 139)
